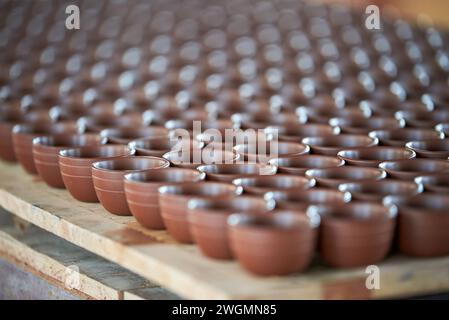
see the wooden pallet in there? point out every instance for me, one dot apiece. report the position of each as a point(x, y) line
point(183, 270)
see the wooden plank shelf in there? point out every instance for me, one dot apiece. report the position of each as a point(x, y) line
point(183, 270)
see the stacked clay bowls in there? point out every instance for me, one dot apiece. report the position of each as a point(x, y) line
point(173, 202)
point(108, 179)
point(208, 221)
point(46, 150)
point(141, 190)
point(277, 244)
point(76, 168)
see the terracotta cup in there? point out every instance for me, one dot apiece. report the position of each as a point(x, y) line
point(100, 122)
point(260, 185)
point(158, 146)
point(46, 151)
point(208, 221)
point(108, 179)
point(76, 168)
point(423, 119)
point(297, 132)
point(278, 244)
point(373, 156)
point(399, 137)
point(324, 113)
point(362, 125)
point(141, 190)
point(123, 135)
point(193, 158)
point(410, 169)
point(333, 177)
point(227, 172)
point(423, 224)
point(331, 145)
point(23, 135)
point(298, 165)
point(355, 234)
point(293, 200)
point(438, 183)
point(432, 148)
point(263, 152)
point(173, 201)
point(377, 190)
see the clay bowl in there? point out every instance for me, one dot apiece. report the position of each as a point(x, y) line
point(355, 234)
point(363, 125)
point(173, 201)
point(23, 135)
point(330, 145)
point(193, 158)
point(333, 177)
point(108, 179)
point(229, 139)
point(294, 200)
point(46, 150)
point(269, 245)
point(432, 148)
point(158, 146)
point(260, 185)
point(438, 183)
point(373, 156)
point(423, 119)
point(208, 221)
point(141, 190)
point(389, 108)
point(410, 169)
point(263, 152)
point(124, 135)
point(261, 120)
point(324, 114)
point(227, 172)
point(295, 133)
point(376, 190)
point(100, 122)
point(76, 168)
point(298, 165)
point(399, 137)
point(443, 128)
point(423, 224)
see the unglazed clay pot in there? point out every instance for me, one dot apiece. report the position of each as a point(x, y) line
point(377, 190)
point(399, 137)
point(355, 234)
point(297, 132)
point(294, 200)
point(158, 146)
point(333, 177)
point(141, 190)
point(76, 168)
point(423, 224)
point(257, 152)
point(123, 135)
point(410, 169)
point(278, 244)
point(363, 125)
point(432, 148)
point(46, 150)
point(100, 122)
point(173, 201)
point(23, 135)
point(438, 183)
point(373, 156)
point(330, 145)
point(260, 185)
point(227, 172)
point(192, 158)
point(298, 165)
point(208, 221)
point(108, 179)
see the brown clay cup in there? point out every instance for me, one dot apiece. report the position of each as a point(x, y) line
point(259, 185)
point(208, 221)
point(438, 183)
point(410, 169)
point(273, 245)
point(399, 137)
point(76, 168)
point(228, 172)
point(373, 156)
point(193, 157)
point(158, 146)
point(141, 190)
point(376, 190)
point(263, 152)
point(333, 177)
point(124, 135)
point(107, 176)
point(173, 201)
point(331, 145)
point(298, 165)
point(432, 148)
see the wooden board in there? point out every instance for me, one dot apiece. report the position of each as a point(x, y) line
point(183, 270)
point(70, 267)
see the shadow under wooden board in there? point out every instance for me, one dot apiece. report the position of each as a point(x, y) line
point(183, 270)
